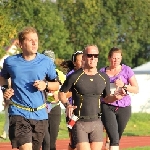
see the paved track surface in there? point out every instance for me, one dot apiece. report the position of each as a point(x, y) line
point(126, 142)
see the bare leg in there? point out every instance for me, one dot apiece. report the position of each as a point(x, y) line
point(69, 148)
point(114, 147)
point(107, 142)
point(96, 145)
point(83, 146)
point(26, 146)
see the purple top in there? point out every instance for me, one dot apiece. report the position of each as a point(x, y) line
point(69, 73)
point(125, 74)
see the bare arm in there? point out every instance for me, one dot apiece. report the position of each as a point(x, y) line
point(133, 87)
point(118, 94)
point(62, 97)
point(3, 81)
point(53, 86)
point(69, 108)
point(42, 85)
point(69, 94)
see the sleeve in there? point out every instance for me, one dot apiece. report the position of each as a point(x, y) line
point(129, 72)
point(106, 91)
point(51, 73)
point(102, 69)
point(4, 72)
point(67, 85)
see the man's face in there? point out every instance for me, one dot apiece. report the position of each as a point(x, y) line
point(91, 57)
point(30, 43)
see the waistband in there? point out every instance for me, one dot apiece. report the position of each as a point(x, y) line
point(28, 108)
point(89, 117)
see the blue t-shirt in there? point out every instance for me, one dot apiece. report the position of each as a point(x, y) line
point(23, 73)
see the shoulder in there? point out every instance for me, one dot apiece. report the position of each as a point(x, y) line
point(45, 59)
point(126, 70)
point(104, 75)
point(125, 67)
point(12, 58)
point(70, 72)
point(76, 74)
point(103, 69)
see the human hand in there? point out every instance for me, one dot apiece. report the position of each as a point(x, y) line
point(119, 82)
point(119, 93)
point(8, 93)
point(69, 110)
point(40, 85)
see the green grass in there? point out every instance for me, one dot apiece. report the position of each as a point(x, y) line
point(137, 126)
point(63, 131)
point(138, 148)
point(2, 119)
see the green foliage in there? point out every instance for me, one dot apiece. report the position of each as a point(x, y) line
point(45, 18)
point(7, 30)
point(108, 23)
point(67, 26)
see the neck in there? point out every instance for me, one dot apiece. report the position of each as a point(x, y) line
point(28, 57)
point(114, 67)
point(90, 71)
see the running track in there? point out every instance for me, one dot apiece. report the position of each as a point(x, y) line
point(126, 142)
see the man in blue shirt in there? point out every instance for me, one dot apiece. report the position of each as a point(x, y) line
point(27, 112)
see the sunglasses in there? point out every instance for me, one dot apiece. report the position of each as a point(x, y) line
point(92, 55)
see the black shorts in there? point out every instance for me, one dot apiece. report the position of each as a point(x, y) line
point(22, 130)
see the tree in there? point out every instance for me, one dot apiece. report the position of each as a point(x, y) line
point(44, 16)
point(107, 24)
point(7, 30)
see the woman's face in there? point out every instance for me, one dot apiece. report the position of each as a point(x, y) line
point(78, 62)
point(115, 59)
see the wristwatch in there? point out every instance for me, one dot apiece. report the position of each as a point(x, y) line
point(46, 82)
point(125, 87)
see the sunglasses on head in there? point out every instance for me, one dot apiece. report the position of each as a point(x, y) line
point(92, 55)
point(78, 52)
point(75, 54)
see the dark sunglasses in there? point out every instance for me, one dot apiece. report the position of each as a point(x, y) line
point(91, 55)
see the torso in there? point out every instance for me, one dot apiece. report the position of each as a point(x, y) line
point(125, 73)
point(23, 74)
point(86, 92)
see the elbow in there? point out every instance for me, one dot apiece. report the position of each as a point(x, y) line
point(57, 86)
point(136, 90)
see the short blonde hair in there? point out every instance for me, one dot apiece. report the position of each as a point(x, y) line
point(26, 30)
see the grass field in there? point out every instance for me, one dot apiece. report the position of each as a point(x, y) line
point(138, 148)
point(137, 126)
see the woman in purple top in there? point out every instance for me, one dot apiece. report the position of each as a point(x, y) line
point(73, 65)
point(116, 115)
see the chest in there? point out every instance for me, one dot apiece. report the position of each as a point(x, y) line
point(90, 84)
point(29, 71)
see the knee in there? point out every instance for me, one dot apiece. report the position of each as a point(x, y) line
point(114, 142)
